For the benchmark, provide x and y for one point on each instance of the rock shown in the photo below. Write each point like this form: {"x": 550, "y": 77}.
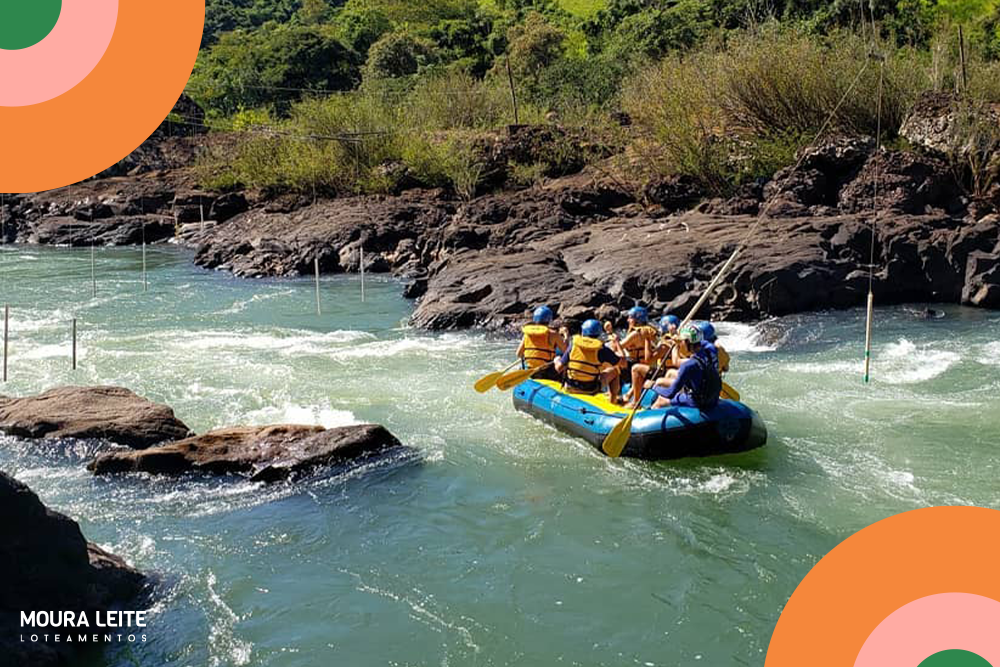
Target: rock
{"x": 982, "y": 280}
{"x": 192, "y": 206}
{"x": 228, "y": 206}
{"x": 113, "y": 231}
{"x": 938, "y": 125}
{"x": 107, "y": 413}
{"x": 906, "y": 182}
{"x": 266, "y": 453}
{"x": 673, "y": 193}
{"x": 47, "y": 564}
{"x": 818, "y": 179}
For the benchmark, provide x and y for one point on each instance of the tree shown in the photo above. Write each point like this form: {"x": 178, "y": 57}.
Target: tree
{"x": 272, "y": 67}
{"x": 399, "y": 54}
{"x": 532, "y": 46}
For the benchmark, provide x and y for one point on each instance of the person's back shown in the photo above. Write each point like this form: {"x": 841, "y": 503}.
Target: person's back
{"x": 540, "y": 345}
{"x": 697, "y": 384}
{"x": 588, "y": 361}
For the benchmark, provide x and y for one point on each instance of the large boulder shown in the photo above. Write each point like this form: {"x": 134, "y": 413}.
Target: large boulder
{"x": 982, "y": 280}
{"x": 47, "y": 564}
{"x": 106, "y": 413}
{"x": 265, "y": 453}
{"x": 107, "y": 231}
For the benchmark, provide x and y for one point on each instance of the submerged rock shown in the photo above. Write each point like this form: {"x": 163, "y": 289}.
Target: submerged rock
{"x": 47, "y": 564}
{"x": 108, "y": 413}
{"x": 265, "y": 453}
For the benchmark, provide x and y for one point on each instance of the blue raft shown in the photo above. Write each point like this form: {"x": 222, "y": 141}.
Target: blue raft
{"x": 668, "y": 433}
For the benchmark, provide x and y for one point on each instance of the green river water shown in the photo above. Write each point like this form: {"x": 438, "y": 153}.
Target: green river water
{"x": 491, "y": 539}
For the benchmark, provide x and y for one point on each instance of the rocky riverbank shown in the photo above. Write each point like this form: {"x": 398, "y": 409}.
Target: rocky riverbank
{"x": 48, "y": 565}
{"x": 585, "y": 243}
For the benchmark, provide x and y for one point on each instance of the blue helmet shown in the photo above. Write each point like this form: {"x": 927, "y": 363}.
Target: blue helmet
{"x": 668, "y": 321}
{"x": 639, "y": 314}
{"x": 707, "y": 331}
{"x": 592, "y": 329}
{"x": 542, "y": 315}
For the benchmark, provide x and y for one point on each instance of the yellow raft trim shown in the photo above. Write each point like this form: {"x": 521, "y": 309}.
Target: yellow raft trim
{"x": 599, "y": 401}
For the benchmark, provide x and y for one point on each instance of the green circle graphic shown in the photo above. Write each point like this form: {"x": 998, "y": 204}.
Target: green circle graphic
{"x": 955, "y": 658}
{"x": 24, "y": 23}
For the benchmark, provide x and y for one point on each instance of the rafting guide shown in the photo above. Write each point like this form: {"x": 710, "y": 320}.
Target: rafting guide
{"x": 65, "y": 626}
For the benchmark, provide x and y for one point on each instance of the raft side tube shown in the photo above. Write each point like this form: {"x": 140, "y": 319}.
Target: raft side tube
{"x": 663, "y": 434}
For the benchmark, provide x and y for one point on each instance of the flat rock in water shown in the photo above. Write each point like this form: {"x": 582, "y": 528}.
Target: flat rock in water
{"x": 266, "y": 453}
{"x": 108, "y": 413}
{"x": 48, "y": 565}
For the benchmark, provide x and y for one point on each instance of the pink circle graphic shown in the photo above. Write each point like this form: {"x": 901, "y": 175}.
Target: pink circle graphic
{"x": 63, "y": 59}
{"x": 935, "y": 623}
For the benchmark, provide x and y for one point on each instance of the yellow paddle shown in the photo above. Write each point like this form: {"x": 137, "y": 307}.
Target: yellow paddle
{"x": 730, "y": 393}
{"x": 517, "y": 377}
{"x": 487, "y": 382}
{"x": 614, "y": 442}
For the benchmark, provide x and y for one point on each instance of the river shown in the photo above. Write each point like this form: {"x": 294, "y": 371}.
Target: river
{"x": 491, "y": 539}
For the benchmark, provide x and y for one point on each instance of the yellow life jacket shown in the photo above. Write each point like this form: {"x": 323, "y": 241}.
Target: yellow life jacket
{"x": 636, "y": 348}
{"x": 584, "y": 360}
{"x": 538, "y": 349}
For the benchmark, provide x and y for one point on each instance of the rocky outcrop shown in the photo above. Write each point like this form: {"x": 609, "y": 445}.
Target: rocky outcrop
{"x": 47, "y": 564}
{"x": 107, "y": 413}
{"x": 982, "y": 280}
{"x": 267, "y": 453}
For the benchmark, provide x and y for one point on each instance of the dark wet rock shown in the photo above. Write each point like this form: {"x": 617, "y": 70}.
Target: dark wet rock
{"x": 263, "y": 243}
{"x": 673, "y": 193}
{"x": 266, "y": 453}
{"x": 192, "y": 206}
{"x": 107, "y": 413}
{"x": 906, "y": 182}
{"x": 47, "y": 564}
{"x": 109, "y": 231}
{"x": 817, "y": 181}
{"x": 228, "y": 206}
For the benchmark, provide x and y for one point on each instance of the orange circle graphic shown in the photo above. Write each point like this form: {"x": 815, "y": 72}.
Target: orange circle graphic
{"x": 113, "y": 109}
{"x": 878, "y": 570}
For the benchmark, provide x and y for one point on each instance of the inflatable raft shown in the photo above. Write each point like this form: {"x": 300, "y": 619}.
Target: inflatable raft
{"x": 668, "y": 433}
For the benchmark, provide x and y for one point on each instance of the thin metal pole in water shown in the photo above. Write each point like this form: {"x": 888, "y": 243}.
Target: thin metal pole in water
{"x": 145, "y": 282}
{"x": 361, "y": 262}
{"x": 868, "y": 338}
{"x": 93, "y": 270}
{"x": 74, "y": 343}
{"x": 201, "y": 213}
{"x": 319, "y": 310}
{"x": 6, "y": 330}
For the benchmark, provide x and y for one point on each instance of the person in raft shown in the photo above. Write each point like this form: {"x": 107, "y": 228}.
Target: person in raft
{"x": 589, "y": 363}
{"x": 712, "y": 346}
{"x": 541, "y": 343}
{"x": 668, "y": 329}
{"x": 637, "y": 347}
{"x": 697, "y": 383}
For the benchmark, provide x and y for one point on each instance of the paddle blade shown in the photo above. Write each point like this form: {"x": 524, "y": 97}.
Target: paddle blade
{"x": 730, "y": 393}
{"x": 517, "y": 377}
{"x": 487, "y": 382}
{"x": 615, "y": 441}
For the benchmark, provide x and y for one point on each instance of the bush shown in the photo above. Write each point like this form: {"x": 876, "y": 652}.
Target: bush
{"x": 399, "y": 54}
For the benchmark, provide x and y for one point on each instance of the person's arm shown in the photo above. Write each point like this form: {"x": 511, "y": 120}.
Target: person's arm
{"x": 520, "y": 350}
{"x": 679, "y": 382}
{"x": 724, "y": 359}
{"x": 563, "y": 361}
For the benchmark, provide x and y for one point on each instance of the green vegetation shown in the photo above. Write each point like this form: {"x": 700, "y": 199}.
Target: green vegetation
{"x": 373, "y": 95}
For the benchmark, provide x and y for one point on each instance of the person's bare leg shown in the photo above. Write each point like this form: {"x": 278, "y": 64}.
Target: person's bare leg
{"x": 639, "y": 373}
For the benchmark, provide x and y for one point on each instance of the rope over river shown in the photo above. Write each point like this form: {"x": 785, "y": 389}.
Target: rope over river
{"x": 491, "y": 539}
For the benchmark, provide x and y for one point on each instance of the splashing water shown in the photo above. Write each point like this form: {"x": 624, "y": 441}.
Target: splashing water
{"x": 491, "y": 539}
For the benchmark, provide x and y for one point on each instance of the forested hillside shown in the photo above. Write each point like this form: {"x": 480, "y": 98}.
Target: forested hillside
{"x": 374, "y": 95}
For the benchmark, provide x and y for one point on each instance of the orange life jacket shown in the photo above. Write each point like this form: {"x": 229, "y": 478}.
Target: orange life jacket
{"x": 538, "y": 348}
{"x": 584, "y": 362}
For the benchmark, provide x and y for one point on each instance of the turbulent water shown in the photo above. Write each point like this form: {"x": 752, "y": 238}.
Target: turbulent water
{"x": 491, "y": 539}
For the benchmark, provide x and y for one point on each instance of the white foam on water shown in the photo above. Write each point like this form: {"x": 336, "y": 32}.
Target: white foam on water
{"x": 989, "y": 354}
{"x": 52, "y": 351}
{"x": 260, "y": 297}
{"x": 422, "y": 345}
{"x": 297, "y": 414}
{"x": 903, "y": 362}
{"x": 298, "y": 343}
{"x": 738, "y": 337}
{"x": 226, "y": 648}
